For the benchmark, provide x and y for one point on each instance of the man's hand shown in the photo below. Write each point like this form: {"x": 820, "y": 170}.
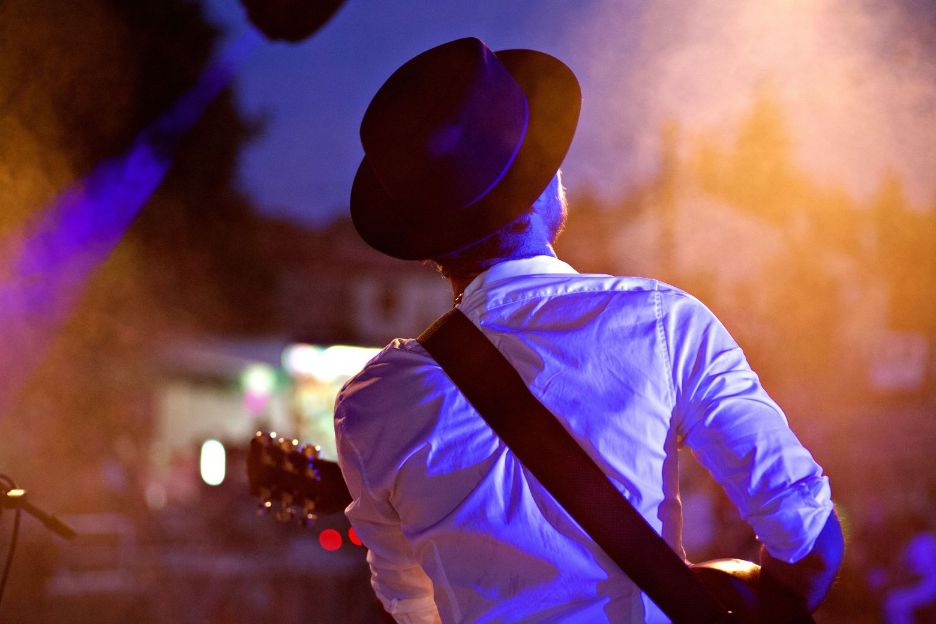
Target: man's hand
{"x": 811, "y": 577}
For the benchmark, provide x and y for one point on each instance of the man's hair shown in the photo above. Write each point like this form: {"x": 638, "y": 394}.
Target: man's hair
{"x": 516, "y": 239}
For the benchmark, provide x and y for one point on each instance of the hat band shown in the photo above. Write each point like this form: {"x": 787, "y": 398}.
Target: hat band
{"x": 510, "y": 160}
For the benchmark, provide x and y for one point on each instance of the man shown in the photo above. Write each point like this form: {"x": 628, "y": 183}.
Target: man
{"x": 462, "y": 151}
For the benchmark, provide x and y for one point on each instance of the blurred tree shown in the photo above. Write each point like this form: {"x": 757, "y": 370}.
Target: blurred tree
{"x": 758, "y": 174}
{"x": 586, "y": 242}
{"x": 796, "y": 338}
{"x": 78, "y": 81}
{"x": 907, "y": 256}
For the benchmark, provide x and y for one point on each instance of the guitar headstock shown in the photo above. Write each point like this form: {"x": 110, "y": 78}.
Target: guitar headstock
{"x": 293, "y": 479}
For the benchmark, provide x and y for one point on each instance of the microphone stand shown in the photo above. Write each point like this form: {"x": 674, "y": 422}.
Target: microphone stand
{"x": 12, "y": 497}
{"x": 17, "y": 498}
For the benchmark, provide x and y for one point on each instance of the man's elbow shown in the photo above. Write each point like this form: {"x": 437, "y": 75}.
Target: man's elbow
{"x": 811, "y": 577}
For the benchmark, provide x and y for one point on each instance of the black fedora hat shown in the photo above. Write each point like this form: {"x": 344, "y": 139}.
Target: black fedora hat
{"x": 458, "y": 142}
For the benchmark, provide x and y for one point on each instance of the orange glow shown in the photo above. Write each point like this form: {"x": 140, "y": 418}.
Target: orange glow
{"x": 854, "y": 82}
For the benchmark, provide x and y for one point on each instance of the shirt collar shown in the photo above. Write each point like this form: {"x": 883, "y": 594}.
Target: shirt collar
{"x": 537, "y": 265}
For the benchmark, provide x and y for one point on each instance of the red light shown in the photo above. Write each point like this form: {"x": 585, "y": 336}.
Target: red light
{"x": 330, "y": 539}
{"x": 354, "y": 538}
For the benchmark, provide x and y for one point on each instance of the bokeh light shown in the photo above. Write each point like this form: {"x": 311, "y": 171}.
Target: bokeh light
{"x": 212, "y": 462}
{"x": 330, "y": 539}
{"x": 326, "y": 364}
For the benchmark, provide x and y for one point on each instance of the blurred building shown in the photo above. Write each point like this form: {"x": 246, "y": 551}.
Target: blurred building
{"x": 332, "y": 287}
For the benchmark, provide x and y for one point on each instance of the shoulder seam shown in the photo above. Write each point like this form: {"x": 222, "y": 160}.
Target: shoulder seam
{"x": 581, "y": 291}
{"x": 340, "y": 432}
{"x": 664, "y": 344}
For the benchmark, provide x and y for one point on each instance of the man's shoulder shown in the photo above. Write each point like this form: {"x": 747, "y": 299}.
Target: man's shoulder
{"x": 630, "y": 285}
{"x": 399, "y": 356}
{"x": 671, "y": 304}
{"x": 621, "y": 293}
{"x": 391, "y": 376}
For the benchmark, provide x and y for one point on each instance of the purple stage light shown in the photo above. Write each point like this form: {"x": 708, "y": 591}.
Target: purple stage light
{"x": 44, "y": 266}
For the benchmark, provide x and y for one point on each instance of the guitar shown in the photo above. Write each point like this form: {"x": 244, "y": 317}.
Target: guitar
{"x": 293, "y": 477}
{"x": 739, "y": 587}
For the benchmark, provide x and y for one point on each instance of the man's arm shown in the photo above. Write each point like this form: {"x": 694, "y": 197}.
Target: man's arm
{"x": 742, "y": 437}
{"x": 811, "y": 577}
{"x": 399, "y": 581}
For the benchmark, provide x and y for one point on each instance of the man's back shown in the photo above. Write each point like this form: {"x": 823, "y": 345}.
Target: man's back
{"x": 630, "y": 366}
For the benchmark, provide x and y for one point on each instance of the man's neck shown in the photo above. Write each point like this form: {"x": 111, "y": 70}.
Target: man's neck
{"x": 460, "y": 282}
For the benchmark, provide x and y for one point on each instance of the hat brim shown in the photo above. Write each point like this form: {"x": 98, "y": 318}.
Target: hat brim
{"x": 554, "y": 99}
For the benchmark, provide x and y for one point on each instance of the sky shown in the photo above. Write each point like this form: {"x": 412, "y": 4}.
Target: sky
{"x": 855, "y": 78}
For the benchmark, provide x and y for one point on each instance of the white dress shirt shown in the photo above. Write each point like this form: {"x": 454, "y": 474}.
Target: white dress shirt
{"x": 458, "y": 530}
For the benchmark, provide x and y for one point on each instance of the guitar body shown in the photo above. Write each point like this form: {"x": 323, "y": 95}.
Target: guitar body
{"x": 737, "y": 585}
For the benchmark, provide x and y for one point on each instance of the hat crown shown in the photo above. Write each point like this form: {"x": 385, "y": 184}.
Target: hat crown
{"x": 458, "y": 142}
{"x": 446, "y": 126}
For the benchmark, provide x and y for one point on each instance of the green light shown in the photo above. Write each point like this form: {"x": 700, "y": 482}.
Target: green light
{"x": 259, "y": 379}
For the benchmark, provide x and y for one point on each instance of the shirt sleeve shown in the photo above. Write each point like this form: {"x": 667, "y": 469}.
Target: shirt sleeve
{"x": 741, "y": 435}
{"x": 398, "y": 579}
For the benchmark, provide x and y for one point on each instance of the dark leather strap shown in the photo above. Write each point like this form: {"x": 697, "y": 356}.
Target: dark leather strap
{"x": 560, "y": 464}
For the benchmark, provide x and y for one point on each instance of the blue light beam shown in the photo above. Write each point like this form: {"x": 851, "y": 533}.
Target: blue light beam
{"x": 44, "y": 265}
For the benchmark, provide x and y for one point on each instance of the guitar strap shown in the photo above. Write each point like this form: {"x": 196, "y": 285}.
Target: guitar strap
{"x": 559, "y": 463}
